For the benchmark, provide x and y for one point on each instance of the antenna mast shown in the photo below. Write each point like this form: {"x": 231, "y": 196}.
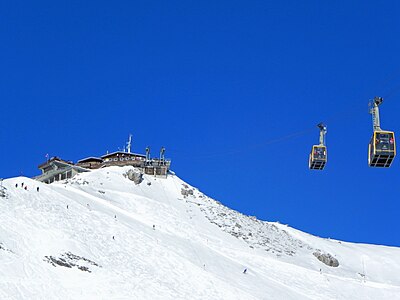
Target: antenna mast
{"x": 129, "y": 143}
{"x": 374, "y": 111}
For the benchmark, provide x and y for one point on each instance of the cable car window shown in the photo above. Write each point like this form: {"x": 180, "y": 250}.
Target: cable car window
{"x": 319, "y": 152}
{"x": 384, "y": 141}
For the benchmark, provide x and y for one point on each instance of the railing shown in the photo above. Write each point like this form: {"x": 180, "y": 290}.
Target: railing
{"x": 51, "y": 173}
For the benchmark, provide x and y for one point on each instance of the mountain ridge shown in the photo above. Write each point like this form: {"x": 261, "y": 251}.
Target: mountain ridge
{"x": 164, "y": 239}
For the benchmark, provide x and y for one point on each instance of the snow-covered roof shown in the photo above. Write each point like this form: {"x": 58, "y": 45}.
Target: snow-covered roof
{"x": 120, "y": 153}
{"x": 56, "y": 160}
{"x": 90, "y": 158}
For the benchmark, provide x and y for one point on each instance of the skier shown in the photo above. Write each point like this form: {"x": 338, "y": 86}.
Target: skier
{"x": 154, "y": 227}
{"x": 26, "y": 188}
{"x": 16, "y": 185}
{"x": 22, "y": 184}
{"x": 245, "y": 271}
{"x": 37, "y": 189}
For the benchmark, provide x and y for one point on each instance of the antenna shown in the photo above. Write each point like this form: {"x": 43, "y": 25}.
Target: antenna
{"x": 147, "y": 153}
{"x": 129, "y": 143}
{"x": 374, "y": 111}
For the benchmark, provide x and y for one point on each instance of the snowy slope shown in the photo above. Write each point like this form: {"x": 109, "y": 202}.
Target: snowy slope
{"x": 92, "y": 237}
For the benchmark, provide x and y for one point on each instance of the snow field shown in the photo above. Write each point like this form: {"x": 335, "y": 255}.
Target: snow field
{"x": 109, "y": 221}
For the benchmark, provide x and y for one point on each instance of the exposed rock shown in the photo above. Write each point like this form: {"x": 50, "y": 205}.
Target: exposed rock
{"x": 69, "y": 260}
{"x": 77, "y": 180}
{"x": 327, "y": 259}
{"x": 134, "y": 175}
{"x": 256, "y": 233}
{"x": 3, "y": 192}
{"x": 186, "y": 192}
{"x": 2, "y": 247}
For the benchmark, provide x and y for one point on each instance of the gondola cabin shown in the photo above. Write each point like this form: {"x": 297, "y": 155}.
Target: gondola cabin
{"x": 382, "y": 149}
{"x": 318, "y": 157}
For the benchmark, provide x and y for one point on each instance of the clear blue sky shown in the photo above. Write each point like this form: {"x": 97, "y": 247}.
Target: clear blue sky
{"x": 232, "y": 89}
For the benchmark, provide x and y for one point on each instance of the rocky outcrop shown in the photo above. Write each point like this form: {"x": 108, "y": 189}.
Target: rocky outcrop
{"x": 3, "y": 192}
{"x": 186, "y": 191}
{"x": 69, "y": 260}
{"x": 134, "y": 175}
{"x": 2, "y": 247}
{"x": 256, "y": 233}
{"x": 326, "y": 258}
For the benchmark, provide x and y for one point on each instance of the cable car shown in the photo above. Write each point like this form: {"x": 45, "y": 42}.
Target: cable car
{"x": 382, "y": 146}
{"x": 382, "y": 149}
{"x": 318, "y": 155}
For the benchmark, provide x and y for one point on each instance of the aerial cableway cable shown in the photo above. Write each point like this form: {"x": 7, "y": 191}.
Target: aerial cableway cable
{"x": 344, "y": 114}
{"x": 395, "y": 75}
{"x": 253, "y": 146}
{"x": 392, "y": 92}
{"x": 382, "y": 85}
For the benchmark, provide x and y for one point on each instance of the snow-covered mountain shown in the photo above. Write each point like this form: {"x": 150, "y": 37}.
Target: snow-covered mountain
{"x": 112, "y": 234}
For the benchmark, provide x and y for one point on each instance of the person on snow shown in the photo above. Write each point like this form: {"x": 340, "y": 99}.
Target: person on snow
{"x": 245, "y": 271}
{"x": 37, "y": 189}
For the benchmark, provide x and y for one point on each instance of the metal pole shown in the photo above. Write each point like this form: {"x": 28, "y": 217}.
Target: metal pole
{"x": 322, "y": 133}
{"x": 374, "y": 111}
{"x": 147, "y": 154}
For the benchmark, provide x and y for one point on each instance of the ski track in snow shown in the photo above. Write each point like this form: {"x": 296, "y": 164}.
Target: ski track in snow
{"x": 198, "y": 249}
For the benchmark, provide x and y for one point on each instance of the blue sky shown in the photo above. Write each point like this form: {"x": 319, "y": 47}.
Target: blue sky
{"x": 232, "y": 89}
